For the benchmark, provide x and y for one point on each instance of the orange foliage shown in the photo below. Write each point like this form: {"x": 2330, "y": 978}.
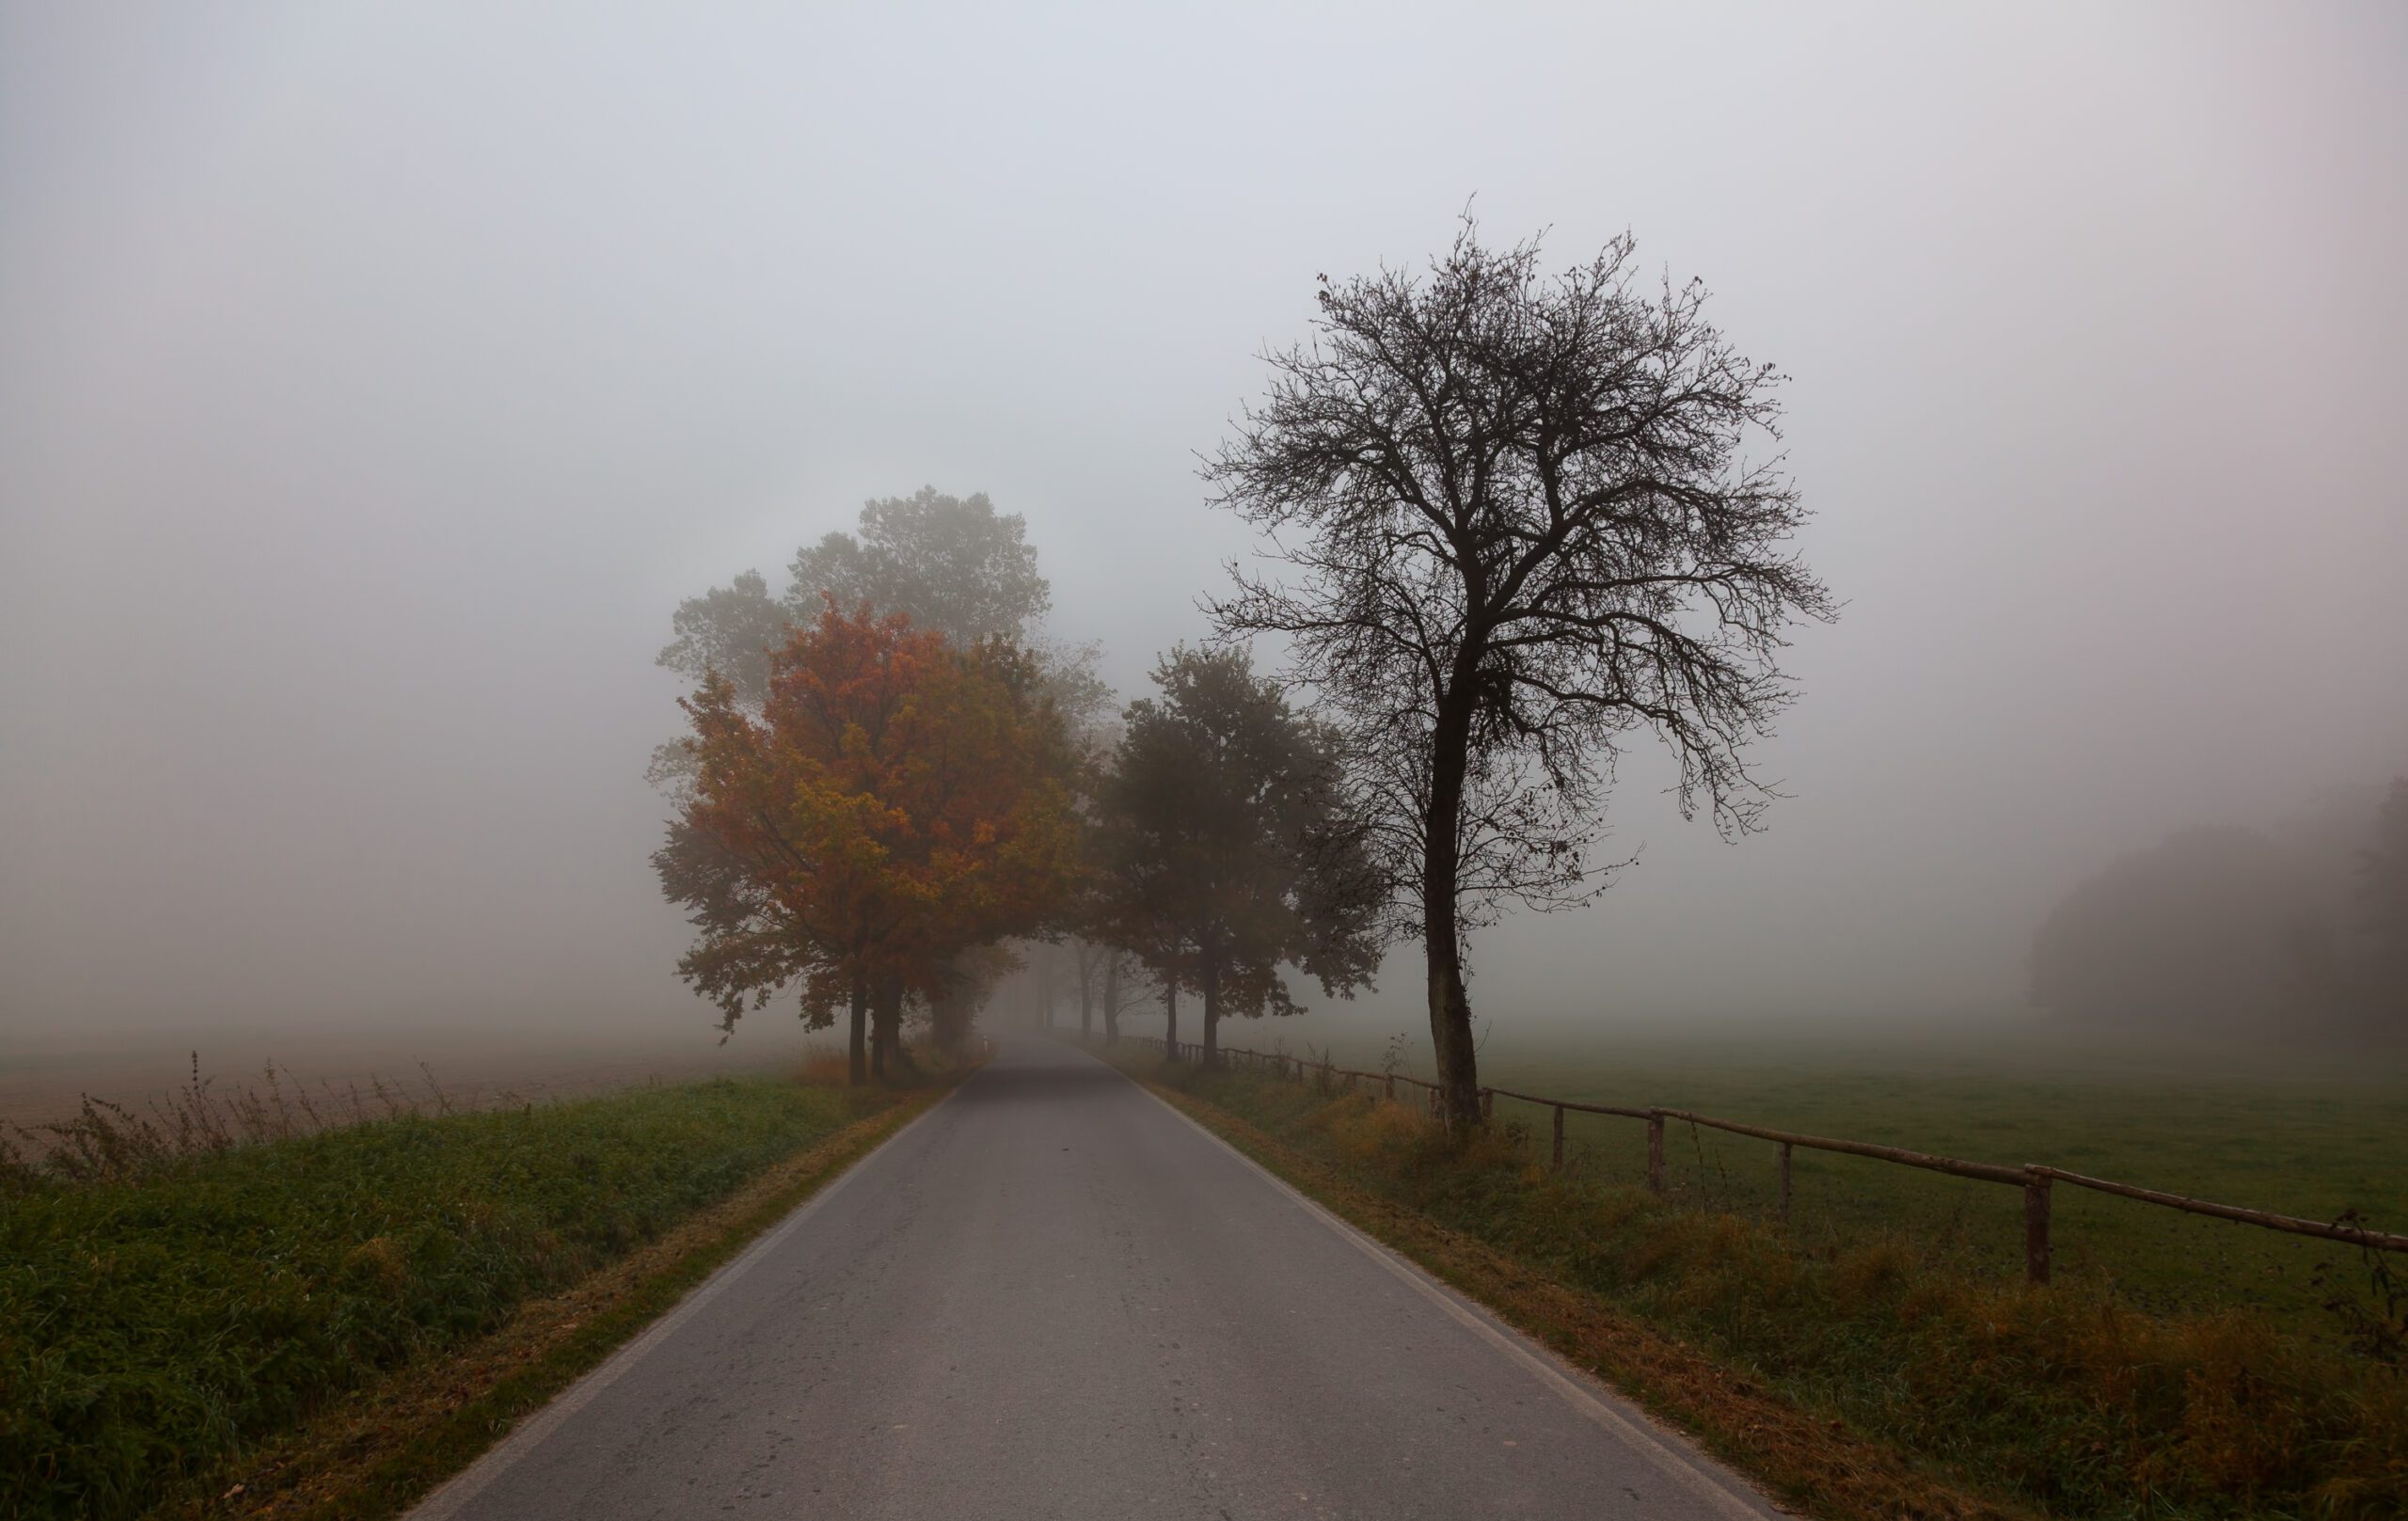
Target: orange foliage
{"x": 896, "y": 800}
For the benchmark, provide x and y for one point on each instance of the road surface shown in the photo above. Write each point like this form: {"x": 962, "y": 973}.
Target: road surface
{"x": 1053, "y": 1296}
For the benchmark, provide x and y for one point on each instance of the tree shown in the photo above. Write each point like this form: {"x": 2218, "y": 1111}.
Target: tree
{"x": 1523, "y": 530}
{"x": 1123, "y": 992}
{"x": 893, "y": 803}
{"x": 1087, "y": 961}
{"x": 1223, "y": 814}
{"x": 2215, "y": 928}
{"x": 968, "y": 981}
{"x": 952, "y": 564}
{"x": 2383, "y": 893}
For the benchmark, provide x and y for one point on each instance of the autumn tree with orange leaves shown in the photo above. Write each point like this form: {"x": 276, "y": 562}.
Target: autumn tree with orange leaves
{"x": 894, "y": 801}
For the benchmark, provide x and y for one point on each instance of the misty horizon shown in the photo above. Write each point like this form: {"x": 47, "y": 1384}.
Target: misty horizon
{"x": 354, "y": 453}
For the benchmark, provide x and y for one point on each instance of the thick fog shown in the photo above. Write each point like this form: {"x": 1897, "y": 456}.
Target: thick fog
{"x": 375, "y": 381}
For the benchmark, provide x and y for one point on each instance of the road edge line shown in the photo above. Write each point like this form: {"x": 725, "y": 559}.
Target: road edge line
{"x": 1693, "y": 1471}
{"x": 447, "y": 1499}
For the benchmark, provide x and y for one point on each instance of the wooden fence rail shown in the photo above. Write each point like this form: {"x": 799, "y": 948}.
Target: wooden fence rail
{"x": 2032, "y": 1177}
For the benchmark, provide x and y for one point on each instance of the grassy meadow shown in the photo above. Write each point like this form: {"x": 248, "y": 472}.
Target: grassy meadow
{"x": 168, "y": 1307}
{"x": 2303, "y": 1134}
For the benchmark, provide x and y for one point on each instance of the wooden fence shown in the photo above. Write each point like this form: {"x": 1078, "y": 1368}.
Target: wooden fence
{"x": 2034, "y": 1180}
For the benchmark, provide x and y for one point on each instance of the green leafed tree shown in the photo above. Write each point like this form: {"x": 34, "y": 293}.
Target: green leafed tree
{"x": 1230, "y": 856}
{"x": 950, "y": 563}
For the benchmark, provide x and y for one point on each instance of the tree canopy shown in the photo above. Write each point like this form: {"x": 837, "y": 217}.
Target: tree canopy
{"x": 1225, "y": 846}
{"x": 894, "y": 801}
{"x": 953, "y": 564}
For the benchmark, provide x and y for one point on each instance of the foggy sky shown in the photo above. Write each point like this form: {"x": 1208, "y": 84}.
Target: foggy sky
{"x": 374, "y": 380}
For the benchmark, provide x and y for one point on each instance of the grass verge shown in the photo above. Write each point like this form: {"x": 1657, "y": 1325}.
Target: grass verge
{"x": 1878, "y": 1377}
{"x": 327, "y": 1326}
{"x": 2298, "y": 1138}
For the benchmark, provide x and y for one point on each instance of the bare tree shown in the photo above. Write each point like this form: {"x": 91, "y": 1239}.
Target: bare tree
{"x": 1124, "y": 991}
{"x": 1088, "y": 961}
{"x": 1521, "y": 527}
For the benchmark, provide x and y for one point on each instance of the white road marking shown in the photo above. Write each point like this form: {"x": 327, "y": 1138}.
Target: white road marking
{"x": 446, "y": 1501}
{"x": 1679, "y": 1467}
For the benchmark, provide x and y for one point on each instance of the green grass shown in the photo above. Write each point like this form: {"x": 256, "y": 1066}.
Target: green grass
{"x": 152, "y": 1327}
{"x": 1897, "y": 1312}
{"x": 2307, "y": 1137}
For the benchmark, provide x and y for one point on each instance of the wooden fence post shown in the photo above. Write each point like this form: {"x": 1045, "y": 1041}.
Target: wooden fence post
{"x": 1784, "y": 1182}
{"x": 1391, "y": 1084}
{"x": 1487, "y": 1103}
{"x": 1655, "y": 1150}
{"x": 2036, "y": 1227}
{"x": 1558, "y": 1138}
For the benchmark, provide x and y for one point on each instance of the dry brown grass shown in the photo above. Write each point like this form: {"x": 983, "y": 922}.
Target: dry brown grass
{"x": 824, "y": 1067}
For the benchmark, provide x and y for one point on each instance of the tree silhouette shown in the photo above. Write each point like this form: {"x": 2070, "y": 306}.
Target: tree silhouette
{"x": 2382, "y": 892}
{"x": 1223, "y": 821}
{"x": 1521, "y": 529}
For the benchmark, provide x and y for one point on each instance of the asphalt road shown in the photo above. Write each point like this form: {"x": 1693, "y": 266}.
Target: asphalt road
{"x": 1053, "y": 1296}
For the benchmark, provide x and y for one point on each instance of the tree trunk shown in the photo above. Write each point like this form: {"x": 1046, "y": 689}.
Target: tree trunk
{"x": 1211, "y": 1014}
{"x": 886, "y": 1025}
{"x": 858, "y": 1066}
{"x": 1111, "y": 1001}
{"x": 1170, "y": 1020}
{"x": 1442, "y": 930}
{"x": 1086, "y": 991}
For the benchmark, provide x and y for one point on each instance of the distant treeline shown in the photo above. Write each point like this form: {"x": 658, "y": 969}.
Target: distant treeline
{"x": 1519, "y": 524}
{"x": 2227, "y": 930}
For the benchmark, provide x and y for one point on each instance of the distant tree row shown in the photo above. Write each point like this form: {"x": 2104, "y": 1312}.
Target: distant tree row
{"x": 2242, "y": 931}
{"x": 880, "y": 800}
{"x": 1521, "y": 527}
